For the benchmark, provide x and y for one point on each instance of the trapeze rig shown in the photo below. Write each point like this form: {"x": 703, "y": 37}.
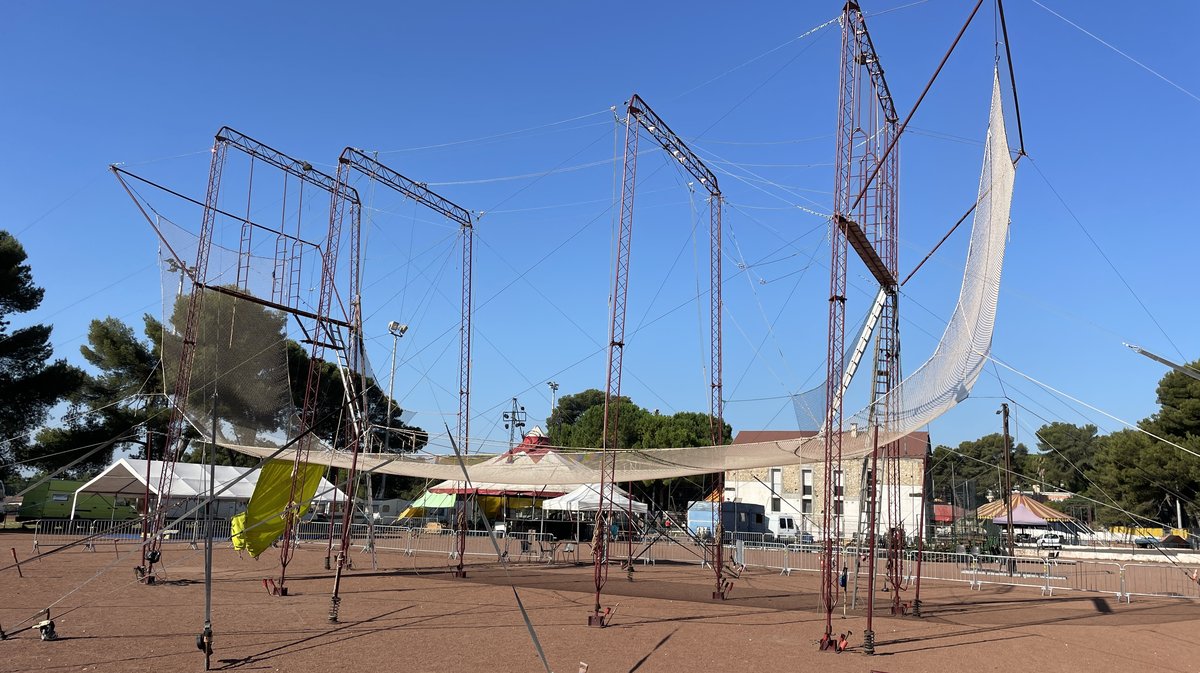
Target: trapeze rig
{"x": 638, "y": 117}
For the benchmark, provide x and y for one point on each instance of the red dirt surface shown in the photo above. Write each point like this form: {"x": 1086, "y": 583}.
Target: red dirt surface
{"x": 412, "y": 615}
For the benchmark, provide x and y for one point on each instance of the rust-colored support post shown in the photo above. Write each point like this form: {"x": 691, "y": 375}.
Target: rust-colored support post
{"x": 923, "y": 529}
{"x": 869, "y": 632}
{"x": 716, "y": 401}
{"x": 464, "y": 376}
{"x": 178, "y": 424}
{"x": 835, "y": 360}
{"x": 612, "y": 390}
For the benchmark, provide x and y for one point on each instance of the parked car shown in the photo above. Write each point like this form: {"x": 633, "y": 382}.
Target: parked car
{"x": 1050, "y": 541}
{"x": 1146, "y": 542}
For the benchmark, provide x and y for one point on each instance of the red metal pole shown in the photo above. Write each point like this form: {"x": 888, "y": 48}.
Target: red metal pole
{"x": 922, "y": 528}
{"x": 869, "y": 632}
{"x": 616, "y": 349}
{"x": 835, "y": 360}
{"x": 716, "y": 402}
{"x": 464, "y": 380}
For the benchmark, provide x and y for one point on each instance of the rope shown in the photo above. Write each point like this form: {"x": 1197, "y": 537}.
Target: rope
{"x": 1143, "y": 66}
{"x": 497, "y": 135}
{"x": 1106, "y": 258}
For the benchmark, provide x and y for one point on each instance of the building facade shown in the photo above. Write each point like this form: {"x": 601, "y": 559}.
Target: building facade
{"x": 797, "y": 491}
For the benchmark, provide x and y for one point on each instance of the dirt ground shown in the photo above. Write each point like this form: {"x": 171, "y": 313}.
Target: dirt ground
{"x": 411, "y": 614}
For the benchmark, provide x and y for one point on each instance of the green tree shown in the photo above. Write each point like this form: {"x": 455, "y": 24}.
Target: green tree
{"x": 403, "y": 438}
{"x": 240, "y": 355}
{"x": 1067, "y": 453}
{"x": 976, "y": 466}
{"x": 571, "y": 407}
{"x": 1144, "y": 477}
{"x": 30, "y": 383}
{"x": 1179, "y": 404}
{"x": 578, "y": 421}
{"x": 120, "y": 407}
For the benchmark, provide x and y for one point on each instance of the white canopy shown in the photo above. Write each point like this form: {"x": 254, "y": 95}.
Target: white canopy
{"x": 127, "y": 477}
{"x": 586, "y": 498}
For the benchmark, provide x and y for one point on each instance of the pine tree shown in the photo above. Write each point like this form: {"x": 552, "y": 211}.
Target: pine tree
{"x": 30, "y": 383}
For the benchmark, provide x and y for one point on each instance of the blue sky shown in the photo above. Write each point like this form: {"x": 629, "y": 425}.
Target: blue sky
{"x": 505, "y": 109}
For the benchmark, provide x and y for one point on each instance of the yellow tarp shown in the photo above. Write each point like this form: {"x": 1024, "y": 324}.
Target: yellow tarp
{"x": 236, "y": 525}
{"x": 1147, "y": 532}
{"x": 263, "y": 521}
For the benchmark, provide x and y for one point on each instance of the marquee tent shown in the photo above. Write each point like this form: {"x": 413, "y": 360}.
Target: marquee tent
{"x": 1029, "y": 509}
{"x": 586, "y": 498}
{"x": 127, "y": 477}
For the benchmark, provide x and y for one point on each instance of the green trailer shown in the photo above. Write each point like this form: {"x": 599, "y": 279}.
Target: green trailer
{"x": 53, "y": 500}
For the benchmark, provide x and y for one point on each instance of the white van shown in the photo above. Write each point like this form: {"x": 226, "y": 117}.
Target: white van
{"x": 785, "y": 527}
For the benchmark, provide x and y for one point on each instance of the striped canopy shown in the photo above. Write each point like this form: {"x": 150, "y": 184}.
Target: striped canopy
{"x": 996, "y": 509}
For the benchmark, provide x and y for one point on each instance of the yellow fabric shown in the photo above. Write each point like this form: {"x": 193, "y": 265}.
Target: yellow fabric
{"x": 263, "y": 521}
{"x": 236, "y": 525}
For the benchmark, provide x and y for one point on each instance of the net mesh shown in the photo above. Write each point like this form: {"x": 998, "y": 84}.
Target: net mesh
{"x": 240, "y": 356}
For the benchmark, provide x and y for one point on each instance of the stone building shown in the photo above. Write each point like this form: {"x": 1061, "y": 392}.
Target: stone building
{"x": 797, "y": 491}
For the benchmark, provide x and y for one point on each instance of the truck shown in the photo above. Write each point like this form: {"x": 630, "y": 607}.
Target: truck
{"x": 736, "y": 517}
{"x": 52, "y": 500}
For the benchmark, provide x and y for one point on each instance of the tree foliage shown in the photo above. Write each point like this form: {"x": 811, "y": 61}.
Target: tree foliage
{"x": 1067, "y": 454}
{"x": 1179, "y": 404}
{"x": 1132, "y": 477}
{"x": 1144, "y": 477}
{"x": 120, "y": 407}
{"x": 30, "y": 383}
{"x": 578, "y": 421}
{"x": 975, "y": 468}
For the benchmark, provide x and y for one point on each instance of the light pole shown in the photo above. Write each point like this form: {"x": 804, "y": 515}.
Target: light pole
{"x": 553, "y": 399}
{"x": 1008, "y": 489}
{"x": 397, "y": 330}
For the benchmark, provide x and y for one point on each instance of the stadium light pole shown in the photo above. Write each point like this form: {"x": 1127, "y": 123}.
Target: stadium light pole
{"x": 553, "y": 399}
{"x": 397, "y": 330}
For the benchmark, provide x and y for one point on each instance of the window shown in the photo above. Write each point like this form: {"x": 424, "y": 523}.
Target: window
{"x": 758, "y": 518}
{"x": 776, "y": 504}
{"x": 786, "y": 523}
{"x": 806, "y": 507}
{"x": 776, "y": 487}
{"x": 837, "y": 507}
{"x": 837, "y": 483}
{"x": 807, "y": 476}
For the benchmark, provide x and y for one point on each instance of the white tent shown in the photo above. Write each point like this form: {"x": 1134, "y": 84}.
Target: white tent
{"x": 586, "y": 498}
{"x": 127, "y": 477}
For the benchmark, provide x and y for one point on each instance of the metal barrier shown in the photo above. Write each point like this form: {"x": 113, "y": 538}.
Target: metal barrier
{"x": 1160, "y": 580}
{"x": 1050, "y": 574}
{"x": 1095, "y": 576}
{"x": 941, "y": 566}
{"x": 62, "y": 532}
